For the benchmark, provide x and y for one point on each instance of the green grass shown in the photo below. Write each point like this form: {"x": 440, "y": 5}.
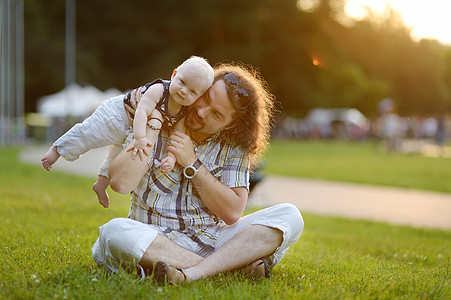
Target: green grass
{"x": 360, "y": 162}
{"x": 50, "y": 220}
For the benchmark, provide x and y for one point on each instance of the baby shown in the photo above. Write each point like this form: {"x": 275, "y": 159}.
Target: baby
{"x": 163, "y": 102}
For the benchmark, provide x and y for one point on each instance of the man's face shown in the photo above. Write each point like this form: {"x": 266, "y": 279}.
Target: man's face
{"x": 211, "y": 113}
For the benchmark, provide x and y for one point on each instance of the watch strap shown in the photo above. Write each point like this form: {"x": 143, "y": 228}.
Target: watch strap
{"x": 197, "y": 164}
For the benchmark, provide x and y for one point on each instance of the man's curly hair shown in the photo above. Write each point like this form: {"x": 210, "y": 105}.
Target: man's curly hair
{"x": 254, "y": 116}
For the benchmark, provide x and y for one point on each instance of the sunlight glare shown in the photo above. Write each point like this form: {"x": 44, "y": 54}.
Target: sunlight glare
{"x": 308, "y": 5}
{"x": 358, "y": 9}
{"x": 425, "y": 18}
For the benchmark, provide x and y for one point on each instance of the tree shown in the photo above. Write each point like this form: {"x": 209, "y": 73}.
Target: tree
{"x": 309, "y": 59}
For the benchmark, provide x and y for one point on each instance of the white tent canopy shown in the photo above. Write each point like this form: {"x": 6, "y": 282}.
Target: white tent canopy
{"x": 74, "y": 101}
{"x": 322, "y": 116}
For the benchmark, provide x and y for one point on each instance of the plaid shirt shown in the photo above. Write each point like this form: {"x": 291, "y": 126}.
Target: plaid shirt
{"x": 170, "y": 200}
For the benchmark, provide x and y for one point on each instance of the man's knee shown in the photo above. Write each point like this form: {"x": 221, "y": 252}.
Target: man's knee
{"x": 112, "y": 228}
{"x": 292, "y": 217}
{"x": 126, "y": 239}
{"x": 110, "y": 234}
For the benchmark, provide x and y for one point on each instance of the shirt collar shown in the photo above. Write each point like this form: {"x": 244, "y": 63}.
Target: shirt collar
{"x": 210, "y": 139}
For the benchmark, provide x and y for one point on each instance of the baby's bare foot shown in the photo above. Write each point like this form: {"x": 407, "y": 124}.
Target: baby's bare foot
{"x": 102, "y": 194}
{"x": 50, "y": 157}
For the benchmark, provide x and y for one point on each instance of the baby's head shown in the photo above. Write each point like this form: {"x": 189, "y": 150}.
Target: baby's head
{"x": 191, "y": 80}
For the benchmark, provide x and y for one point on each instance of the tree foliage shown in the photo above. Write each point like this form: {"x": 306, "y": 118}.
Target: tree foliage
{"x": 309, "y": 59}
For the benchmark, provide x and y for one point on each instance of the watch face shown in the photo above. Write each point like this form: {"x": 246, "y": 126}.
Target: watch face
{"x": 190, "y": 172}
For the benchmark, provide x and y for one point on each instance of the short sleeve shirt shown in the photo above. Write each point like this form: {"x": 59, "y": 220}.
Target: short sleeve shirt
{"x": 172, "y": 202}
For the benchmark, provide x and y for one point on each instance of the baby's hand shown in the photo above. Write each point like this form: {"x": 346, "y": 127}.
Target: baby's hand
{"x": 167, "y": 164}
{"x": 139, "y": 146}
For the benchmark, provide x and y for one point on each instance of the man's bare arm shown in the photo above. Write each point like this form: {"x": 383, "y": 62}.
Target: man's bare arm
{"x": 225, "y": 202}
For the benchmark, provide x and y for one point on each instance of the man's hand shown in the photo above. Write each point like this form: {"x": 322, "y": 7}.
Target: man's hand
{"x": 139, "y": 146}
{"x": 181, "y": 145}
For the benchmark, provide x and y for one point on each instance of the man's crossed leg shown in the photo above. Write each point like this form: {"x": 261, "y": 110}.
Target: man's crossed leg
{"x": 264, "y": 234}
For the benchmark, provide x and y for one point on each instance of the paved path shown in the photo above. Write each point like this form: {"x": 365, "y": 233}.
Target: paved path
{"x": 393, "y": 205}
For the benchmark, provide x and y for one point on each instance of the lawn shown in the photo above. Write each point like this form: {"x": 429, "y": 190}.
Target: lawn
{"x": 50, "y": 220}
{"x": 360, "y": 162}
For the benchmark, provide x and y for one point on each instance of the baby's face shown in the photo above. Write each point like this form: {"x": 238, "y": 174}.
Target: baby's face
{"x": 188, "y": 85}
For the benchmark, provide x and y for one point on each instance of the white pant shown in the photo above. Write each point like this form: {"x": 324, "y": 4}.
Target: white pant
{"x": 122, "y": 241}
{"x": 108, "y": 125}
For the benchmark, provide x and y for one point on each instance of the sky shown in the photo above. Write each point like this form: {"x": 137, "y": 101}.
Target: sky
{"x": 425, "y": 18}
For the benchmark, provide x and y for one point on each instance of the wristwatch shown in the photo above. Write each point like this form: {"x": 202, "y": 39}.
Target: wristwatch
{"x": 191, "y": 170}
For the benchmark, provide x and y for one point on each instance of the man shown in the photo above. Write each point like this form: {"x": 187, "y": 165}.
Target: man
{"x": 187, "y": 224}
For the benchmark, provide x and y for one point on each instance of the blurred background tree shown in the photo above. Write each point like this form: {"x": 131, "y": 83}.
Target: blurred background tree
{"x": 310, "y": 59}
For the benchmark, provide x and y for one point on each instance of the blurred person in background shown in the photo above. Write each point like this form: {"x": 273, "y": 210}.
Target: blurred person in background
{"x": 391, "y": 128}
{"x": 440, "y": 136}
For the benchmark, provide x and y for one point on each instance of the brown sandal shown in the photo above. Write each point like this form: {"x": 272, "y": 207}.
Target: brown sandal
{"x": 258, "y": 269}
{"x": 164, "y": 272}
